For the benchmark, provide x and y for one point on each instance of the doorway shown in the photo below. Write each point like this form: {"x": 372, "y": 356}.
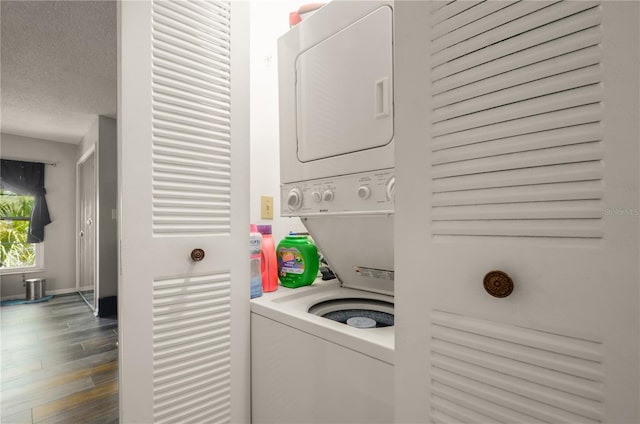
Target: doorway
{"x": 86, "y": 229}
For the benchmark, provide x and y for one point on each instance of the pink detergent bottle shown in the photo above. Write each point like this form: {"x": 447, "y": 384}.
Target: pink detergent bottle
{"x": 269, "y": 263}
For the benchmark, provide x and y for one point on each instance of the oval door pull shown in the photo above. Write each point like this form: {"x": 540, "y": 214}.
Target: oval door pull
{"x": 498, "y": 284}
{"x": 197, "y": 255}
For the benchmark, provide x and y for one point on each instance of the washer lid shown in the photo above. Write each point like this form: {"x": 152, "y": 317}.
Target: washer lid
{"x": 344, "y": 90}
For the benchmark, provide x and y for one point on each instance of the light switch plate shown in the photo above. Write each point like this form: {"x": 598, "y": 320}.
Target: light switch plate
{"x": 267, "y": 207}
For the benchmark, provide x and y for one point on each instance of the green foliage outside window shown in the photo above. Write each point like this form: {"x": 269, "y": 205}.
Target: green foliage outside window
{"x": 15, "y": 211}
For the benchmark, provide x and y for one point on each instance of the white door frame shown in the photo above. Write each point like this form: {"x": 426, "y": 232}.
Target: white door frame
{"x": 91, "y": 152}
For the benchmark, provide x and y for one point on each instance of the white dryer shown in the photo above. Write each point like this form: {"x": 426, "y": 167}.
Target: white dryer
{"x": 336, "y": 92}
{"x": 337, "y": 137}
{"x": 337, "y": 175}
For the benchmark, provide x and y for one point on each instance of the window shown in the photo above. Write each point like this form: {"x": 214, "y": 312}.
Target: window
{"x": 15, "y": 253}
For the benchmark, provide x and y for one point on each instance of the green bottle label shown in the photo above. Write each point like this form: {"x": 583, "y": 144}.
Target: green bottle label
{"x": 291, "y": 261}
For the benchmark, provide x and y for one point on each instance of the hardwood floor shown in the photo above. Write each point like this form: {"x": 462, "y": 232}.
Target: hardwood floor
{"x": 59, "y": 363}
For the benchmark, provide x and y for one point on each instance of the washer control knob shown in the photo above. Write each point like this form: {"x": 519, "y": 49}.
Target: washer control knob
{"x": 364, "y": 192}
{"x": 294, "y": 199}
{"x": 391, "y": 188}
{"x": 327, "y": 196}
{"x": 317, "y": 197}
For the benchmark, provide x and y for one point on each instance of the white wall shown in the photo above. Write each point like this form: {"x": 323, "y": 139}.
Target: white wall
{"x": 59, "y": 236}
{"x": 89, "y": 140}
{"x": 269, "y": 20}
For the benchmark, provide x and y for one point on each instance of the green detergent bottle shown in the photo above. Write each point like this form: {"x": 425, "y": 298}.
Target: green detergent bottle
{"x": 297, "y": 261}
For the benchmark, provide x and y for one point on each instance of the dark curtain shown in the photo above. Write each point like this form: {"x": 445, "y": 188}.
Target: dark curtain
{"x": 27, "y": 178}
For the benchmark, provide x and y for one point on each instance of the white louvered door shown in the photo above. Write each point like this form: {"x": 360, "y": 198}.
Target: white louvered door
{"x": 529, "y": 161}
{"x": 183, "y": 144}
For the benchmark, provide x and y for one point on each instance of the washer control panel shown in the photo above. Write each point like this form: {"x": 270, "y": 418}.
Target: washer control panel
{"x": 364, "y": 192}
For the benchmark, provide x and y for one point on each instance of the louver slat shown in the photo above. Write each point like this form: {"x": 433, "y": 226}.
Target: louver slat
{"x": 555, "y": 66}
{"x": 526, "y": 165}
{"x": 534, "y": 106}
{"x": 554, "y": 49}
{"x": 191, "y": 347}
{"x": 582, "y": 171}
{"x": 543, "y": 34}
{"x": 483, "y": 371}
{"x": 191, "y": 125}
{"x": 464, "y": 19}
{"x": 572, "y": 119}
{"x": 534, "y": 140}
{"x": 453, "y": 9}
{"x": 519, "y": 20}
{"x": 516, "y": 136}
{"x": 557, "y": 83}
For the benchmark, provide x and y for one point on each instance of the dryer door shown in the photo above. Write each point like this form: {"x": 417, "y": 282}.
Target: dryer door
{"x": 344, "y": 90}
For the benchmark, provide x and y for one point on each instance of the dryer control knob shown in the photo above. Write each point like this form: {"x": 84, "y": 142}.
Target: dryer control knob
{"x": 327, "y": 196}
{"x": 391, "y": 188}
{"x": 364, "y": 192}
{"x": 294, "y": 199}
{"x": 317, "y": 197}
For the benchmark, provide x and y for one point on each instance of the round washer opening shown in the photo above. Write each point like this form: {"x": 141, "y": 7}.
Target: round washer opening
{"x": 345, "y": 310}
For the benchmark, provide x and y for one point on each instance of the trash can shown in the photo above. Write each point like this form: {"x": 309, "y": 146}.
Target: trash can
{"x": 35, "y": 288}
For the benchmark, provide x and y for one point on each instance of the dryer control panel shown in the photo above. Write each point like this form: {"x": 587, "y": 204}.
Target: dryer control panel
{"x": 356, "y": 193}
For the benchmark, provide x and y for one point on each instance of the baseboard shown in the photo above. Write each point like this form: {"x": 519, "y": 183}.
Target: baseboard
{"x": 53, "y": 292}
{"x": 107, "y": 306}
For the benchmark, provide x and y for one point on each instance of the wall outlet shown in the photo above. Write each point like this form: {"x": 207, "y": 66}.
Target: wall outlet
{"x": 267, "y": 207}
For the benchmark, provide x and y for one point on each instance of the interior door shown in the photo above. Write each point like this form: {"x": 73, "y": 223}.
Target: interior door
{"x": 528, "y": 155}
{"x": 183, "y": 146}
{"x": 86, "y": 233}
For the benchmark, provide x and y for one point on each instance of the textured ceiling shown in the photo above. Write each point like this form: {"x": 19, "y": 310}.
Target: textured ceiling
{"x": 58, "y": 67}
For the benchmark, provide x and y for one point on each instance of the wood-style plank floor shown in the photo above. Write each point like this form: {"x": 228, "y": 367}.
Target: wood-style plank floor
{"x": 59, "y": 363}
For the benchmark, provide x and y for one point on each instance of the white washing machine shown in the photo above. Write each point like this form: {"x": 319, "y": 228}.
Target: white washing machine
{"x": 311, "y": 360}
{"x": 310, "y": 369}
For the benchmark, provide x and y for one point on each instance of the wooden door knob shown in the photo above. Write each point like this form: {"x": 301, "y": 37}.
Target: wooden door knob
{"x": 197, "y": 255}
{"x": 498, "y": 284}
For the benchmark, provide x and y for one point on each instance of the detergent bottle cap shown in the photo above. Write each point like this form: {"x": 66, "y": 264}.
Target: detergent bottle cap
{"x": 264, "y": 229}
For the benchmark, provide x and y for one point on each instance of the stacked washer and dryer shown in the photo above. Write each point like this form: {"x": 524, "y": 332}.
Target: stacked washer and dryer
{"x": 337, "y": 175}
